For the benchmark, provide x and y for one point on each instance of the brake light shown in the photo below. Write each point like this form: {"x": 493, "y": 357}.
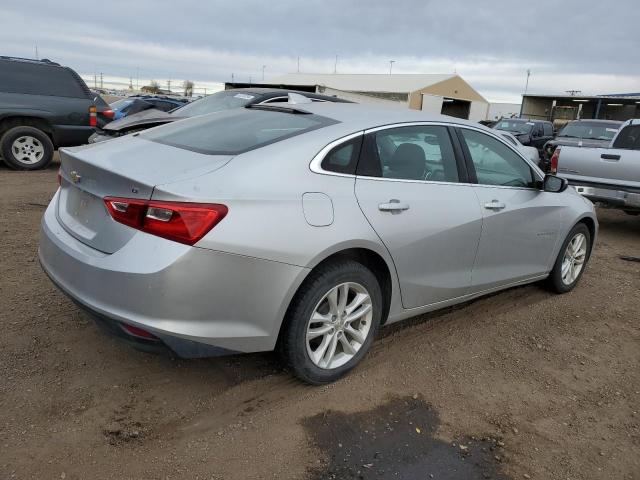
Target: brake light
{"x": 93, "y": 116}
{"x": 108, "y": 113}
{"x": 138, "y": 332}
{"x": 554, "y": 160}
{"x": 178, "y": 221}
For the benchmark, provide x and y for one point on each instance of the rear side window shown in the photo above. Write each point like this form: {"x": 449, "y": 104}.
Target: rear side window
{"x": 628, "y": 138}
{"x": 344, "y": 157}
{"x": 422, "y": 152}
{"x": 33, "y": 79}
{"x": 547, "y": 129}
{"x": 235, "y": 131}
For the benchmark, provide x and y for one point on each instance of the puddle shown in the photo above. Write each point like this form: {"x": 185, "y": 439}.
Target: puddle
{"x": 396, "y": 441}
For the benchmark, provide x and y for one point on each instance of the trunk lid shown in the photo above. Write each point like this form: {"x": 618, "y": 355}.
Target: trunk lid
{"x": 128, "y": 167}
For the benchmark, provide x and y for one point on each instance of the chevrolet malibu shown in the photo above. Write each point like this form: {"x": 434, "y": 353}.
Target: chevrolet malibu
{"x": 303, "y": 227}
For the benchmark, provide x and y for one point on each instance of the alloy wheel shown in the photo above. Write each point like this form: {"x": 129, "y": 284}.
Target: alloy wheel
{"x": 574, "y": 258}
{"x": 339, "y": 325}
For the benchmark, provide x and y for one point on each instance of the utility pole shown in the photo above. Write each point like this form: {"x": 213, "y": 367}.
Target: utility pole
{"x": 263, "y": 67}
{"x": 169, "y": 85}
{"x": 232, "y": 78}
{"x": 391, "y": 62}
{"x": 335, "y": 65}
{"x": 95, "y": 81}
{"x": 37, "y": 57}
{"x": 101, "y": 81}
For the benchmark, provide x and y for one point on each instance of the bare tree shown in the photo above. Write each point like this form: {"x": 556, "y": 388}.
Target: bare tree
{"x": 154, "y": 87}
{"x": 188, "y": 88}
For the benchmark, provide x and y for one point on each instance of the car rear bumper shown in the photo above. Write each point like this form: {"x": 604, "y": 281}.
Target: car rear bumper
{"x": 610, "y": 196}
{"x": 198, "y": 302}
{"x": 71, "y": 135}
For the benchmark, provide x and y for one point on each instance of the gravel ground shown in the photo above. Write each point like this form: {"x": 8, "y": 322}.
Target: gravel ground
{"x": 535, "y": 385}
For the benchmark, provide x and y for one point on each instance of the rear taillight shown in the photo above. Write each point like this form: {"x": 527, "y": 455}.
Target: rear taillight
{"x": 178, "y": 221}
{"x": 108, "y": 113}
{"x": 138, "y": 332}
{"x": 554, "y": 160}
{"x": 93, "y": 116}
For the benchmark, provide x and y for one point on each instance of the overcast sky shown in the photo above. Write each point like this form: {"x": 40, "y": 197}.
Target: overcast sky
{"x": 586, "y": 45}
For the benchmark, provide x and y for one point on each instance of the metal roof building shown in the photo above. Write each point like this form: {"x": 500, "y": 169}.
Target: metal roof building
{"x": 448, "y": 94}
{"x": 561, "y": 108}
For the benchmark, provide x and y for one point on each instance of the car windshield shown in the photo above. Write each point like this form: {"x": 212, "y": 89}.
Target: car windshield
{"x": 217, "y": 102}
{"x": 514, "y": 126}
{"x": 591, "y": 131}
{"x": 235, "y": 131}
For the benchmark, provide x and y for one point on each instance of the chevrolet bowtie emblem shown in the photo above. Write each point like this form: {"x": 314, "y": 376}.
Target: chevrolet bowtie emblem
{"x": 75, "y": 176}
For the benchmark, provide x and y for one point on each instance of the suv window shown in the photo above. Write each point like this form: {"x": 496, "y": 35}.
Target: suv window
{"x": 495, "y": 163}
{"x": 34, "y": 79}
{"x": 420, "y": 152}
{"x": 344, "y": 157}
{"x": 547, "y": 129}
{"x": 235, "y": 131}
{"x": 628, "y": 138}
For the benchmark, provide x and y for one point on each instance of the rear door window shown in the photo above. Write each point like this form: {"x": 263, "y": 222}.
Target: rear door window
{"x": 422, "y": 152}
{"x": 35, "y": 79}
{"x": 344, "y": 157}
{"x": 235, "y": 131}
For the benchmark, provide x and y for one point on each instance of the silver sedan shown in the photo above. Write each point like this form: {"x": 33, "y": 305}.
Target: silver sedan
{"x": 303, "y": 227}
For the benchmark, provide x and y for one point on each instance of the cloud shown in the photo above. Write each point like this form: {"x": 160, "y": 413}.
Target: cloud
{"x": 584, "y": 45}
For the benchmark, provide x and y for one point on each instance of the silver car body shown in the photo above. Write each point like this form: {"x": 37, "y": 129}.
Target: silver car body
{"x": 232, "y": 289}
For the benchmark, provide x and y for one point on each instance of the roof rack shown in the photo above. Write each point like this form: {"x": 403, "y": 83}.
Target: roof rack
{"x": 30, "y": 60}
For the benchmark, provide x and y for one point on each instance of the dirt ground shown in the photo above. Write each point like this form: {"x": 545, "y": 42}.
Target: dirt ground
{"x": 532, "y": 385}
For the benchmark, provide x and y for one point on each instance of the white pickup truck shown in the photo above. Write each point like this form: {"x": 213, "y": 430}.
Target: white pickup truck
{"x": 607, "y": 176}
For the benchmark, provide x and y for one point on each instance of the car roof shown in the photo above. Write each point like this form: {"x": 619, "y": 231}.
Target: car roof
{"x": 355, "y": 116}
{"x": 283, "y": 92}
{"x": 597, "y": 120}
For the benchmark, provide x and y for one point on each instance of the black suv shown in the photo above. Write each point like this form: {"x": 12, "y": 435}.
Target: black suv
{"x": 43, "y": 106}
{"x": 533, "y": 133}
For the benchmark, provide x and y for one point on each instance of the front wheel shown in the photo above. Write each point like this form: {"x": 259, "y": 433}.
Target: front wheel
{"x": 571, "y": 260}
{"x": 332, "y": 322}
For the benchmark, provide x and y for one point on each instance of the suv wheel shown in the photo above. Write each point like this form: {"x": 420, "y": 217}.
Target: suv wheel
{"x": 26, "y": 148}
{"x": 332, "y": 322}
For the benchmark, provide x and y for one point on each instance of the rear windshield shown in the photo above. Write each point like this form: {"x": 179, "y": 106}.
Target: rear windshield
{"x": 628, "y": 138}
{"x": 235, "y": 131}
{"x": 34, "y": 79}
{"x": 215, "y": 103}
{"x": 591, "y": 131}
{"x": 514, "y": 126}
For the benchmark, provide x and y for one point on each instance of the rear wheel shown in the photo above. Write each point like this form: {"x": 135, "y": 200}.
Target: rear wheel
{"x": 332, "y": 322}
{"x": 26, "y": 148}
{"x": 571, "y": 260}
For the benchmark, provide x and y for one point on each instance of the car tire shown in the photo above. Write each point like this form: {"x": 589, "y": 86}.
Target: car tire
{"x": 26, "y": 148}
{"x": 568, "y": 270}
{"x": 320, "y": 305}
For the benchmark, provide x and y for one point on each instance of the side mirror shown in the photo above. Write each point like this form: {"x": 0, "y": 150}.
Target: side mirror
{"x": 554, "y": 184}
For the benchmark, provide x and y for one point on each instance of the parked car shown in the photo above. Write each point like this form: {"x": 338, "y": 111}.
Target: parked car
{"x": 43, "y": 106}
{"x": 303, "y": 227}
{"x": 533, "y": 133}
{"x": 216, "y": 102}
{"x": 530, "y": 152}
{"x": 608, "y": 176}
{"x": 583, "y": 133}
{"x": 138, "y": 103}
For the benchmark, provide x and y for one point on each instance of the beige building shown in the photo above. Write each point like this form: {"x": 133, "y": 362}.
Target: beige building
{"x": 448, "y": 94}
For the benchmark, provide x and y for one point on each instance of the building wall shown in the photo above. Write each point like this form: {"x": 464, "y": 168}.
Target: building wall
{"x": 455, "y": 88}
{"x": 360, "y": 97}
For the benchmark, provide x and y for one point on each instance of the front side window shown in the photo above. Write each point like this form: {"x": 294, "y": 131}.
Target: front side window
{"x": 420, "y": 152}
{"x": 495, "y": 163}
{"x": 235, "y": 131}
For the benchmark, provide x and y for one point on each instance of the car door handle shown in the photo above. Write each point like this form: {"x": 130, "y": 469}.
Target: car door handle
{"x": 494, "y": 205}
{"x": 609, "y": 156}
{"x": 394, "y": 206}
